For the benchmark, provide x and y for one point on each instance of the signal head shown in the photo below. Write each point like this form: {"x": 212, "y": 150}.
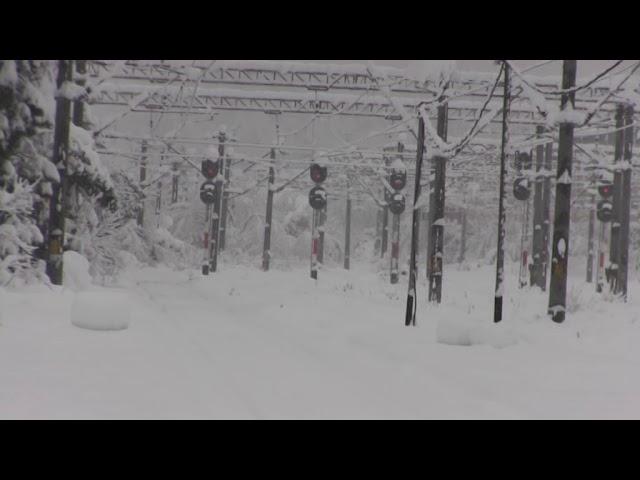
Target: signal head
{"x": 521, "y": 189}
{"x": 605, "y": 189}
{"x": 317, "y": 197}
{"x": 209, "y": 168}
{"x": 318, "y": 173}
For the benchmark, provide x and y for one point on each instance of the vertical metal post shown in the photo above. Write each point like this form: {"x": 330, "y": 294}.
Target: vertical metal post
{"x": 524, "y": 260}
{"x": 225, "y": 204}
{"x": 625, "y": 213}
{"x": 322, "y": 220}
{"x": 158, "y": 203}
{"x": 206, "y": 261}
{"x": 546, "y": 214}
{"x": 385, "y": 228}
{"x": 78, "y": 104}
{"x": 590, "y": 246}
{"x": 410, "y": 313}
{"x": 378, "y": 242}
{"x": 174, "y": 184}
{"x": 538, "y": 216}
{"x": 463, "y": 234}
{"x": 437, "y": 216}
{"x": 347, "y": 230}
{"x": 214, "y": 237}
{"x": 600, "y": 279}
{"x": 497, "y": 307}
{"x": 266, "y": 250}
{"x": 395, "y": 247}
{"x": 562, "y": 214}
{"x": 314, "y": 244}
{"x": 616, "y": 221}
{"x": 60, "y": 153}
{"x": 141, "y": 179}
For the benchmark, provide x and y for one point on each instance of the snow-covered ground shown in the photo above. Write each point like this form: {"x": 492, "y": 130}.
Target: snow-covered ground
{"x": 247, "y": 344}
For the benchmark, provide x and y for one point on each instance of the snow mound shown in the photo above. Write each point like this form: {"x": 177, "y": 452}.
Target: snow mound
{"x": 75, "y": 271}
{"x": 465, "y": 332}
{"x": 101, "y": 310}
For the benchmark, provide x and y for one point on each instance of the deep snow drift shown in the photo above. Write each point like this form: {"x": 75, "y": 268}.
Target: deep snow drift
{"x": 247, "y": 344}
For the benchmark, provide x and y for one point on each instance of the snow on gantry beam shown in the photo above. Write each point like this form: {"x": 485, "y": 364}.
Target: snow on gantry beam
{"x": 172, "y": 99}
{"x": 317, "y": 77}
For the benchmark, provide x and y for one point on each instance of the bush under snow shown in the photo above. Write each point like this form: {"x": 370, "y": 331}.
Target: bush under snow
{"x": 101, "y": 310}
{"x": 75, "y": 273}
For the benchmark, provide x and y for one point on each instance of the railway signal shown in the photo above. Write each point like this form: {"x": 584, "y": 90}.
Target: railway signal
{"x": 398, "y": 180}
{"x": 521, "y": 190}
{"x": 604, "y": 209}
{"x": 317, "y": 197}
{"x": 208, "y": 192}
{"x": 318, "y": 201}
{"x": 209, "y": 169}
{"x": 523, "y": 161}
{"x": 397, "y": 203}
{"x": 605, "y": 189}
{"x": 318, "y": 173}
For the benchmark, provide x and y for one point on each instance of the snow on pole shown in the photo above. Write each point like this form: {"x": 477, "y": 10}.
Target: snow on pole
{"x": 538, "y": 215}
{"x": 395, "y": 248}
{"x": 436, "y": 236}
{"x": 497, "y": 309}
{"x": 590, "y": 252}
{"x": 626, "y": 202}
{"x": 60, "y": 154}
{"x": 214, "y": 237}
{"x": 314, "y": 245}
{"x": 561, "y": 224}
{"x": 141, "y": 179}
{"x": 347, "y": 230}
{"x": 266, "y": 250}
{"x": 410, "y": 314}
{"x": 614, "y": 244}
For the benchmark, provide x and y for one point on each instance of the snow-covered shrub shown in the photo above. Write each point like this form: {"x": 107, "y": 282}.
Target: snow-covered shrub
{"x": 26, "y": 110}
{"x": 76, "y": 271}
{"x": 18, "y": 236}
{"x": 101, "y": 310}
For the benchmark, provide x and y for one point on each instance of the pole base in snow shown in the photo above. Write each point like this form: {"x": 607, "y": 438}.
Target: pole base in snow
{"x": 497, "y": 310}
{"x": 409, "y": 318}
{"x": 205, "y": 269}
{"x": 557, "y": 315}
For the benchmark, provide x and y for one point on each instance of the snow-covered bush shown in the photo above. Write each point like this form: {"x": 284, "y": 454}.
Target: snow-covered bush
{"x": 18, "y": 236}
{"x": 26, "y": 111}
